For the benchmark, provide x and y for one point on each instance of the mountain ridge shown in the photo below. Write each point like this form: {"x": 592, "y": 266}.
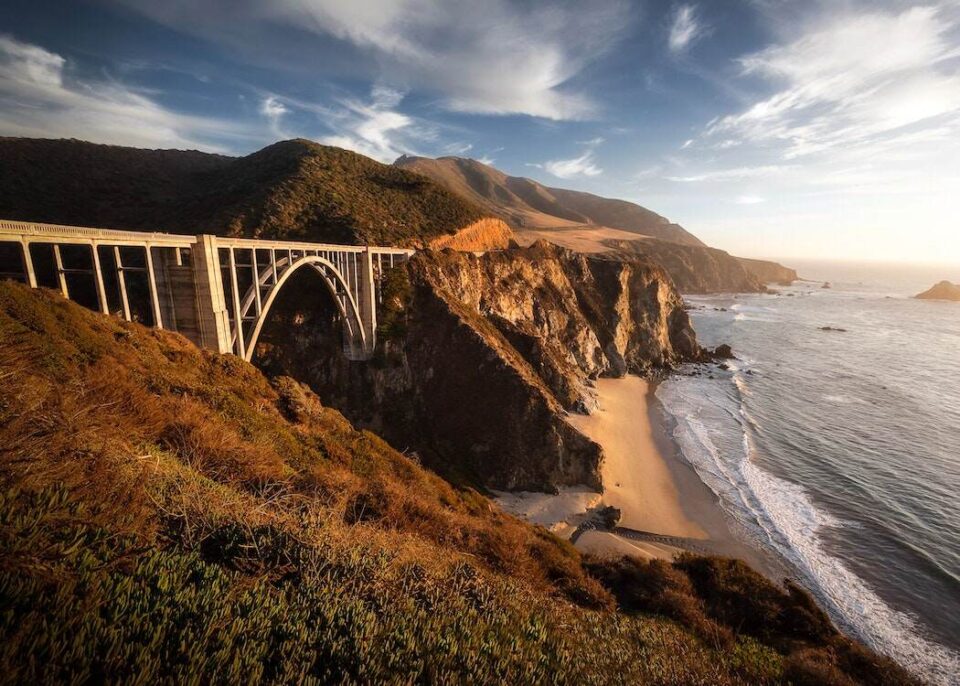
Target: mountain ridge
{"x": 295, "y": 190}
{"x": 590, "y": 223}
{"x": 526, "y": 203}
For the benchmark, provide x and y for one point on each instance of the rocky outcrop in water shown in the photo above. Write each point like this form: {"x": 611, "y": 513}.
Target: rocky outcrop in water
{"x": 482, "y": 357}
{"x": 941, "y": 291}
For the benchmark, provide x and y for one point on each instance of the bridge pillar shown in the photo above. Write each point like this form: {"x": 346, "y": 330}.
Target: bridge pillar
{"x": 212, "y": 319}
{"x": 367, "y": 301}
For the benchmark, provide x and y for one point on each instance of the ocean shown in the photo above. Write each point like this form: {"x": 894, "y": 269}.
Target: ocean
{"x": 840, "y": 450}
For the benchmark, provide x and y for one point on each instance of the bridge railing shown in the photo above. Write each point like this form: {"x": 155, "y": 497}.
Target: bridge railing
{"x": 211, "y": 289}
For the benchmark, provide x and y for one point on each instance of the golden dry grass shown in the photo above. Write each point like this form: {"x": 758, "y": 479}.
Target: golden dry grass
{"x": 170, "y": 515}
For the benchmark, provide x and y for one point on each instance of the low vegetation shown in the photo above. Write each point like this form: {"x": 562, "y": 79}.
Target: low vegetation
{"x": 171, "y": 515}
{"x": 293, "y": 190}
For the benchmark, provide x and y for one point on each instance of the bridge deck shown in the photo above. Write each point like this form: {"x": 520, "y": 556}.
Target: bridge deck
{"x": 215, "y": 290}
{"x": 37, "y": 232}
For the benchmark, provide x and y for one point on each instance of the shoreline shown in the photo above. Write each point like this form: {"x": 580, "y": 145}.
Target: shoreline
{"x": 706, "y": 505}
{"x": 665, "y": 507}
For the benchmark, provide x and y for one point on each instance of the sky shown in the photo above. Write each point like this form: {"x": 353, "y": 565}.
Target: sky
{"x": 769, "y": 128}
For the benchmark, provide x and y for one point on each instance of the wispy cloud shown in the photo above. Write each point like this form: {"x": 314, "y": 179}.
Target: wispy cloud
{"x": 733, "y": 174}
{"x": 457, "y": 148}
{"x": 686, "y": 29}
{"x": 851, "y": 79}
{"x": 581, "y": 166}
{"x": 38, "y": 98}
{"x": 494, "y": 57}
{"x": 374, "y": 127}
{"x": 584, "y": 165}
{"x": 273, "y": 109}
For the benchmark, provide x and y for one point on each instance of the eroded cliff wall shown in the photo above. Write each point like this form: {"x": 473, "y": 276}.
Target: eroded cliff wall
{"x": 481, "y": 357}
{"x": 769, "y": 272}
{"x": 694, "y": 269}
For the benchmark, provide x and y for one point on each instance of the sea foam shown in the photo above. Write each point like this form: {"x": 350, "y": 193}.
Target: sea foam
{"x": 713, "y": 430}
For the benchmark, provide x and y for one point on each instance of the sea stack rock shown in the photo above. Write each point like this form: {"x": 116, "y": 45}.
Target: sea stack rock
{"x": 941, "y": 291}
{"x": 723, "y": 352}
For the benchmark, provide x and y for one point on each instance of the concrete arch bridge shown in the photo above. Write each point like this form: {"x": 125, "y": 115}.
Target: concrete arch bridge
{"x": 215, "y": 291}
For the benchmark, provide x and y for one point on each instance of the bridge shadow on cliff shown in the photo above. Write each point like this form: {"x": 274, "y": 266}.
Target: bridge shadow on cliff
{"x": 303, "y": 338}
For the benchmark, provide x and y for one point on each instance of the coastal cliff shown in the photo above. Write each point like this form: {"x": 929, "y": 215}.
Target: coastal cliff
{"x": 482, "y": 357}
{"x": 694, "y": 269}
{"x": 484, "y": 234}
{"x": 591, "y": 223}
{"x": 767, "y": 271}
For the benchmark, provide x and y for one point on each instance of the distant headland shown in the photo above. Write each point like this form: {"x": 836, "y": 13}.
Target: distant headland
{"x": 941, "y": 291}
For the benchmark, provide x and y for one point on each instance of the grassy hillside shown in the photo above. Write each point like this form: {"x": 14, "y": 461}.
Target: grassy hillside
{"x": 525, "y": 203}
{"x": 171, "y": 515}
{"x": 294, "y": 189}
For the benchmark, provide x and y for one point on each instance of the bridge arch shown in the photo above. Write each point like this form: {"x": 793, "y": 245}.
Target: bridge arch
{"x": 215, "y": 290}
{"x": 355, "y": 337}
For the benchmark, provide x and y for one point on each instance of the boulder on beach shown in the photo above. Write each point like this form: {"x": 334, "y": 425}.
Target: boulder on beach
{"x": 609, "y": 516}
{"x": 941, "y": 291}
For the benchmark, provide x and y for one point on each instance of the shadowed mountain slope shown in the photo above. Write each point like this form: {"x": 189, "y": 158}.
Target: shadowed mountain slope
{"x": 294, "y": 189}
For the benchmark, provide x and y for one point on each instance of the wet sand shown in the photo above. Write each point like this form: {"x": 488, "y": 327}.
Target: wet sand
{"x": 665, "y": 507}
{"x": 645, "y": 476}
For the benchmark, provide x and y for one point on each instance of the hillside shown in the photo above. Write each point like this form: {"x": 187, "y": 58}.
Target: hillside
{"x": 525, "y": 204}
{"x": 169, "y": 515}
{"x": 769, "y": 272}
{"x": 294, "y": 189}
{"x": 589, "y": 223}
{"x": 694, "y": 269}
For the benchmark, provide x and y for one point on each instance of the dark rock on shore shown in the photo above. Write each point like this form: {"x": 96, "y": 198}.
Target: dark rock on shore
{"x": 723, "y": 352}
{"x": 609, "y": 516}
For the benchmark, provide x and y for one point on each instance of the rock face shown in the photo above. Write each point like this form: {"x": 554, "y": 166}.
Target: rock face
{"x": 484, "y": 234}
{"x": 769, "y": 272}
{"x": 941, "y": 291}
{"x": 482, "y": 356}
{"x": 695, "y": 269}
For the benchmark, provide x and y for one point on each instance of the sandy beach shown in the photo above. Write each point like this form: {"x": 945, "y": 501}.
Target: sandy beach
{"x": 636, "y": 478}
{"x": 645, "y": 477}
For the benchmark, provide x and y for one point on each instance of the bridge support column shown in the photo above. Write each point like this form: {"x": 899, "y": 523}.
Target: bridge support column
{"x": 367, "y": 302}
{"x": 212, "y": 319}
